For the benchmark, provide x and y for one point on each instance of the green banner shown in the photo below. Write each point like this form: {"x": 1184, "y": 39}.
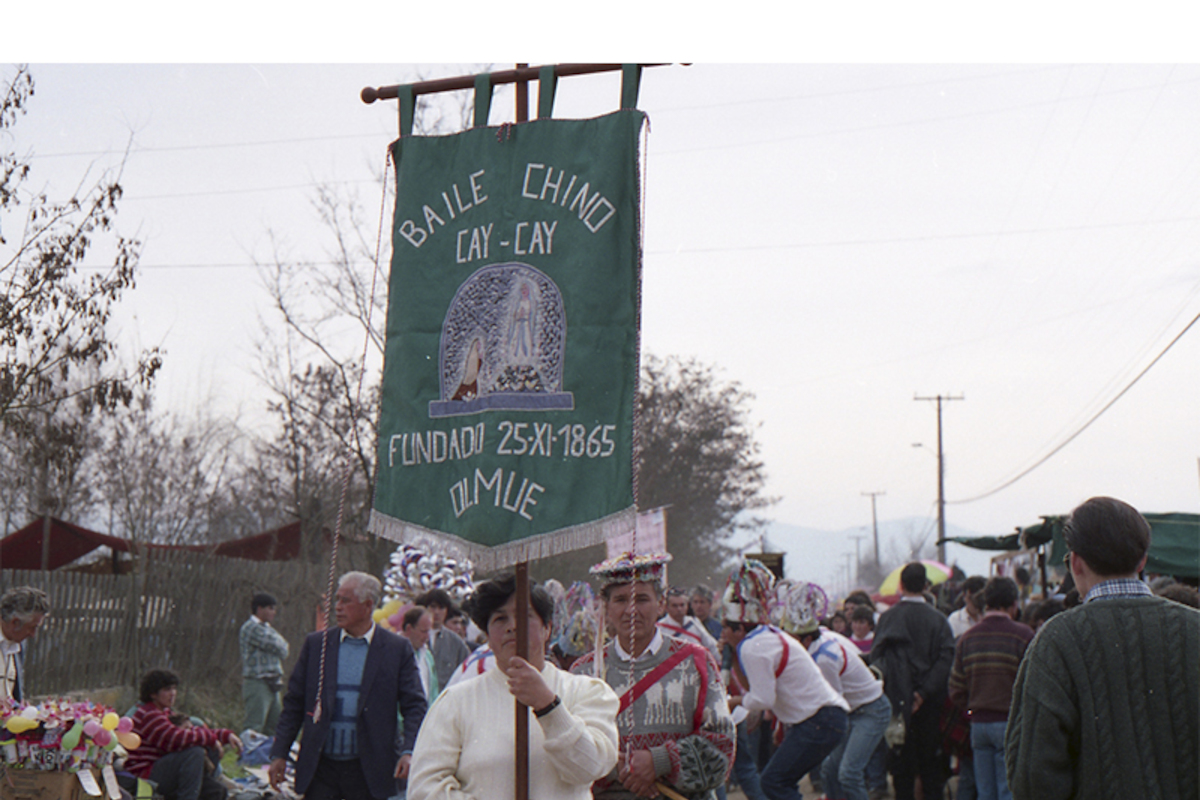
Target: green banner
{"x": 506, "y": 426}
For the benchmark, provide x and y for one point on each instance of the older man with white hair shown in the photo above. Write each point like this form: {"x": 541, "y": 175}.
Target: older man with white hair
{"x": 22, "y": 610}
{"x": 346, "y": 691}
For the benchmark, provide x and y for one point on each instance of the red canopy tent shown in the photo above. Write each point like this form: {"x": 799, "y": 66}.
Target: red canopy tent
{"x": 23, "y": 549}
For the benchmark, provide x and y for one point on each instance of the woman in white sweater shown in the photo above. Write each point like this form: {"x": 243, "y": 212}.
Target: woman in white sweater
{"x": 465, "y": 748}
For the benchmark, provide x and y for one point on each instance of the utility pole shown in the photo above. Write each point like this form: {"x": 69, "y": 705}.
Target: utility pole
{"x": 857, "y": 559}
{"x": 848, "y": 556}
{"x": 941, "y": 544}
{"x": 874, "y": 524}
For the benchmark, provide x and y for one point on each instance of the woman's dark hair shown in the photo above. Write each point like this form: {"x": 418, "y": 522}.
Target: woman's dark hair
{"x": 491, "y": 595}
{"x": 155, "y": 681}
{"x": 863, "y": 614}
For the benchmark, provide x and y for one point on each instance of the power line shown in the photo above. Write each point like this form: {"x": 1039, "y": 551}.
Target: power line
{"x": 1085, "y": 425}
{"x": 931, "y": 237}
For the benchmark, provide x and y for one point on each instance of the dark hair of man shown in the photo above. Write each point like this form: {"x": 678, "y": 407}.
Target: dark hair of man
{"x": 1000, "y": 593}
{"x": 973, "y": 584}
{"x": 676, "y": 591}
{"x": 412, "y": 617}
{"x": 703, "y": 592}
{"x": 453, "y": 612}
{"x": 1110, "y": 535}
{"x": 262, "y": 599}
{"x": 657, "y": 586}
{"x": 436, "y": 598}
{"x": 490, "y": 597}
{"x": 155, "y": 681}
{"x": 863, "y": 614}
{"x": 1021, "y": 575}
{"x": 913, "y": 578}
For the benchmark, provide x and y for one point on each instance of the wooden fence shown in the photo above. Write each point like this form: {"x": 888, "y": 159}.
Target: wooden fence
{"x": 180, "y": 611}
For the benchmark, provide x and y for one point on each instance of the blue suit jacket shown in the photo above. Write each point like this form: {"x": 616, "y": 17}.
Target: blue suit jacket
{"x": 390, "y": 684}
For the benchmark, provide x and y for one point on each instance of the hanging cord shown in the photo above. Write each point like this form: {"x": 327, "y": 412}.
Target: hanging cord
{"x": 362, "y": 369}
{"x": 640, "y": 186}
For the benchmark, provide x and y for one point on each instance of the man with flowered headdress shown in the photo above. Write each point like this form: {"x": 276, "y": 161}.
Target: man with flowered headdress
{"x": 780, "y": 676}
{"x": 675, "y": 727}
{"x": 798, "y": 608}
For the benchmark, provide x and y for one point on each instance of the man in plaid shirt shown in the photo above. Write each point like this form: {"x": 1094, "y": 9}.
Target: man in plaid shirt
{"x": 263, "y": 650}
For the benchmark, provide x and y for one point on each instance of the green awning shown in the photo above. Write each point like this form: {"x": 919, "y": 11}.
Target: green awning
{"x": 1174, "y": 542}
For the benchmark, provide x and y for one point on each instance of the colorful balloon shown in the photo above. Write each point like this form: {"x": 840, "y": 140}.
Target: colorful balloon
{"x": 70, "y": 739}
{"x": 91, "y": 728}
{"x": 125, "y": 724}
{"x": 110, "y": 721}
{"x": 20, "y": 724}
{"x": 102, "y": 737}
{"x": 129, "y": 740}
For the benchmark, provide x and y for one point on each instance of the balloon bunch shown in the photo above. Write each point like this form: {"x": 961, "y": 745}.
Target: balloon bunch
{"x": 414, "y": 572}
{"x": 391, "y": 615}
{"x": 63, "y": 735}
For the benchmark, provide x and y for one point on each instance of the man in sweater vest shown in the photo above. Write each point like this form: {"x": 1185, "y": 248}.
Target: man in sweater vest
{"x": 676, "y": 731}
{"x": 986, "y": 659}
{"x": 1105, "y": 702}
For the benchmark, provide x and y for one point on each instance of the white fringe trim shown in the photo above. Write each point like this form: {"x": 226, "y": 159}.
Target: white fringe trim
{"x": 491, "y": 559}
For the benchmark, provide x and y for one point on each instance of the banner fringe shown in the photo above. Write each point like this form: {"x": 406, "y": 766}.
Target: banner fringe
{"x": 492, "y": 559}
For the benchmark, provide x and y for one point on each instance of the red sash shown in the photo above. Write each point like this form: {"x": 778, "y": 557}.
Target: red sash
{"x": 699, "y": 655}
{"x": 784, "y": 658}
{"x": 681, "y": 630}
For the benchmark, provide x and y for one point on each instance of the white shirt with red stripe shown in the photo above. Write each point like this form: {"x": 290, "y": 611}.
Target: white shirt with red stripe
{"x": 783, "y": 678}
{"x": 839, "y": 661}
{"x": 480, "y": 661}
{"x": 690, "y": 630}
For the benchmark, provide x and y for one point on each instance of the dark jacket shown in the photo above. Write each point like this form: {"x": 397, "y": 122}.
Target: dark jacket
{"x": 390, "y": 683}
{"x": 914, "y": 649}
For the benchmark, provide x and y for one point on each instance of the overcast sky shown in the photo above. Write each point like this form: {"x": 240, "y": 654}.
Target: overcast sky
{"x": 836, "y": 237}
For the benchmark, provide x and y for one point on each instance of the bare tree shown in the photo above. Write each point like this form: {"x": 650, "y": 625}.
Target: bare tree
{"x": 53, "y": 320}
{"x": 163, "y": 480}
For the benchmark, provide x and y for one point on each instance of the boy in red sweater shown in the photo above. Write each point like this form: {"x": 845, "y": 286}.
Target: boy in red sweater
{"x": 170, "y": 755}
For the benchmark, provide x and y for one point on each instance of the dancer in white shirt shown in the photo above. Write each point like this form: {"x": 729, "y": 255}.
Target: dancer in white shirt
{"x": 782, "y": 678}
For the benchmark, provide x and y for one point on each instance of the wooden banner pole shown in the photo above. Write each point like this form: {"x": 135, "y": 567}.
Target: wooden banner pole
{"x": 520, "y": 76}
{"x": 522, "y": 604}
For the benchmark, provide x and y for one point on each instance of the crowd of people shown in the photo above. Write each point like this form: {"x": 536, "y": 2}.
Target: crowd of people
{"x": 659, "y": 691}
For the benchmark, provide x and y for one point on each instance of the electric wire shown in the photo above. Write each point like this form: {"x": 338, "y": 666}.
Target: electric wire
{"x": 1082, "y": 428}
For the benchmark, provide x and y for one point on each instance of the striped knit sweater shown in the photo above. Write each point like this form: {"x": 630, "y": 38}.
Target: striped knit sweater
{"x": 1107, "y": 705}
{"x": 161, "y": 736}
{"x": 986, "y": 659}
{"x": 693, "y": 761}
